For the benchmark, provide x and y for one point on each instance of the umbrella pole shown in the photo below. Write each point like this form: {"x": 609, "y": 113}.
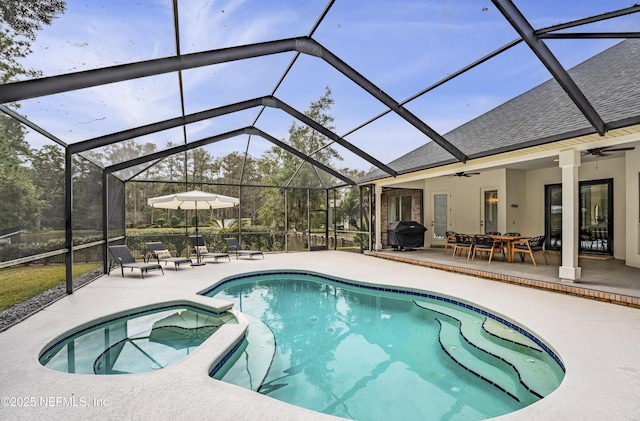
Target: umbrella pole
{"x": 198, "y": 262}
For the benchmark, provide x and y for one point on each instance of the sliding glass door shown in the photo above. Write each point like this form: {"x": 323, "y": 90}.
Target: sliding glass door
{"x": 553, "y": 216}
{"x": 595, "y": 216}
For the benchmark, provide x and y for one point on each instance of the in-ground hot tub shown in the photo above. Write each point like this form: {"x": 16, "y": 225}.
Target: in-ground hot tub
{"x": 136, "y": 341}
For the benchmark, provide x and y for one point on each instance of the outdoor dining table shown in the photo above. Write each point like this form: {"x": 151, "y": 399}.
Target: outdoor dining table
{"x": 509, "y": 241}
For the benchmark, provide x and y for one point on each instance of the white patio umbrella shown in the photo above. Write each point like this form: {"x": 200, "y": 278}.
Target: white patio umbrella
{"x": 193, "y": 200}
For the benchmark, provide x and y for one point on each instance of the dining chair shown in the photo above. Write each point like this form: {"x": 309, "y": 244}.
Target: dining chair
{"x": 485, "y": 244}
{"x": 530, "y": 246}
{"x": 463, "y": 241}
{"x": 451, "y": 240}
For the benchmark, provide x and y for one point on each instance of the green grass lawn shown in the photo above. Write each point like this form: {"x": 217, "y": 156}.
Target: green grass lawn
{"x": 20, "y": 283}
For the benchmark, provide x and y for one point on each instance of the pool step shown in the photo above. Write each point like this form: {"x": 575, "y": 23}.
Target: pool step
{"x": 499, "y": 330}
{"x": 493, "y": 372}
{"x": 251, "y": 365}
{"x": 520, "y": 357}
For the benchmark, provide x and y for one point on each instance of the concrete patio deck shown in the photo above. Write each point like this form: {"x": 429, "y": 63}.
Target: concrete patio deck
{"x": 606, "y": 280}
{"x": 597, "y": 341}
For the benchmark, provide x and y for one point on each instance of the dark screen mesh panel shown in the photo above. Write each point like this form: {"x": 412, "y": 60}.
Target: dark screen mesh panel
{"x": 262, "y": 226}
{"x": 87, "y": 201}
{"x": 32, "y": 196}
{"x": 115, "y": 206}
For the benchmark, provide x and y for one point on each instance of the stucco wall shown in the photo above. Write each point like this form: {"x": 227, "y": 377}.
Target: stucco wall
{"x": 516, "y": 201}
{"x": 466, "y": 200}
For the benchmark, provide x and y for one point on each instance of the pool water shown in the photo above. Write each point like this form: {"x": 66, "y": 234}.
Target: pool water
{"x": 367, "y": 354}
{"x": 136, "y": 342}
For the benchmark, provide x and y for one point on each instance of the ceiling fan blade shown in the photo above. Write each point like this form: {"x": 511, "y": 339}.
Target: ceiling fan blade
{"x": 630, "y": 148}
{"x": 602, "y": 151}
{"x": 464, "y": 174}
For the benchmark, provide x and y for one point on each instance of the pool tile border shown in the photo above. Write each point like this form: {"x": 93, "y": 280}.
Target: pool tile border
{"x": 124, "y": 315}
{"x": 381, "y": 288}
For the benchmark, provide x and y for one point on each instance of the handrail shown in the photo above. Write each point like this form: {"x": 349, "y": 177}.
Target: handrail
{"x": 52, "y": 253}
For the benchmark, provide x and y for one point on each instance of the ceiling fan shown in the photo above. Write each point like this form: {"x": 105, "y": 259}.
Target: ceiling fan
{"x": 604, "y": 151}
{"x": 465, "y": 174}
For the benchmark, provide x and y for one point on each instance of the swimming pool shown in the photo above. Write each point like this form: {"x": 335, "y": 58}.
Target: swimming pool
{"x": 135, "y": 341}
{"x": 358, "y": 351}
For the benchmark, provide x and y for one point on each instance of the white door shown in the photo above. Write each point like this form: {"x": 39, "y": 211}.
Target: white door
{"x": 440, "y": 217}
{"x": 489, "y": 210}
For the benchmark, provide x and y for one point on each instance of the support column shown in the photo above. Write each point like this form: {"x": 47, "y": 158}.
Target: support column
{"x": 569, "y": 162}
{"x": 105, "y": 221}
{"x": 378, "y": 193}
{"x": 68, "y": 219}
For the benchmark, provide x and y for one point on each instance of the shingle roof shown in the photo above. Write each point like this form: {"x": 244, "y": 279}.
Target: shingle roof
{"x": 609, "y": 80}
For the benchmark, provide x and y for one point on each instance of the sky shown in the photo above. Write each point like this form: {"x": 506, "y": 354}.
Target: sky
{"x": 402, "y": 46}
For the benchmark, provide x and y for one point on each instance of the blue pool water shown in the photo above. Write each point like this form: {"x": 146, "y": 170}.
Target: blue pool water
{"x": 370, "y": 354}
{"x": 134, "y": 342}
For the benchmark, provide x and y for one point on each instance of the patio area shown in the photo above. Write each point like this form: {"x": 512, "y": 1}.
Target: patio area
{"x": 608, "y": 280}
{"x": 597, "y": 341}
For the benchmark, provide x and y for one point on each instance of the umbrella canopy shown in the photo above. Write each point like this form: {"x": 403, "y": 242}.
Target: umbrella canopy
{"x": 195, "y": 200}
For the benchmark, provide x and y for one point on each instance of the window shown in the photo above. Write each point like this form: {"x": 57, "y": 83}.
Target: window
{"x": 399, "y": 208}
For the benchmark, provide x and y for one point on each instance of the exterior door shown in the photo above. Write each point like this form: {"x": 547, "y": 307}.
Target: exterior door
{"x": 596, "y": 216}
{"x": 553, "y": 216}
{"x": 440, "y": 218}
{"x": 489, "y": 217}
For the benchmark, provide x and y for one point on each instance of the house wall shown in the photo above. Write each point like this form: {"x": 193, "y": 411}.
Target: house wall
{"x": 515, "y": 201}
{"x": 526, "y": 190}
{"x": 533, "y": 223}
{"x": 466, "y": 201}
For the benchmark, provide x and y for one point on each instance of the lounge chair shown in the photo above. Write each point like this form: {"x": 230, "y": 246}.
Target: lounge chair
{"x": 530, "y": 246}
{"x": 161, "y": 254}
{"x": 235, "y": 247}
{"x": 122, "y": 257}
{"x": 201, "y": 251}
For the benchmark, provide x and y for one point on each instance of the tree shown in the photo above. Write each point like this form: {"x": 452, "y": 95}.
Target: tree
{"x": 121, "y": 152}
{"x": 285, "y": 169}
{"x": 349, "y": 204}
{"x": 87, "y": 194}
{"x": 20, "y": 198}
{"x": 19, "y": 22}
{"x": 200, "y": 166}
{"x": 48, "y": 177}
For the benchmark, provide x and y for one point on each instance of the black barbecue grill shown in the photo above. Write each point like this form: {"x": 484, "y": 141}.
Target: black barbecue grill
{"x": 405, "y": 235}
